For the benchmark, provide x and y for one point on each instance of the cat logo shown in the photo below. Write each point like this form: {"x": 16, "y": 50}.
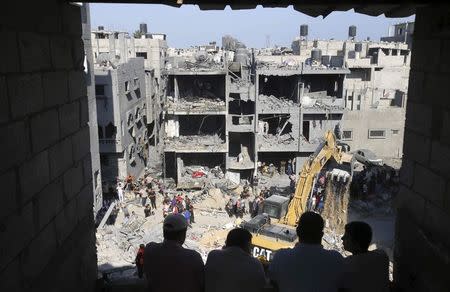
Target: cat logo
{"x": 259, "y": 251}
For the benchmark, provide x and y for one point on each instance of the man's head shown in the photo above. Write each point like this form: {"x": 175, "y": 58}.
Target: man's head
{"x": 141, "y": 245}
{"x": 310, "y": 228}
{"x": 357, "y": 237}
{"x": 239, "y": 237}
{"x": 174, "y": 228}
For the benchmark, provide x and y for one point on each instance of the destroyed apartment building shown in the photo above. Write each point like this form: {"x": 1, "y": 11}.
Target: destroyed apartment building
{"x": 130, "y": 95}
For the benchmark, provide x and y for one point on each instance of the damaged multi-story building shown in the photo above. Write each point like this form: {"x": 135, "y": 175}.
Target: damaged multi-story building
{"x": 129, "y": 92}
{"x": 228, "y": 113}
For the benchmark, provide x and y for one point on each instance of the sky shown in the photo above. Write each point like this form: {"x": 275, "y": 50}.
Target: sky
{"x": 189, "y": 26}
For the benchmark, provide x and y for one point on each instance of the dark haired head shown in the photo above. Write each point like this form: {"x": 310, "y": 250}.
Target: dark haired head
{"x": 357, "y": 237}
{"x": 239, "y": 237}
{"x": 310, "y": 228}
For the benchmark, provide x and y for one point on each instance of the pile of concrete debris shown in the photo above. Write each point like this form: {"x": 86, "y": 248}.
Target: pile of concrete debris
{"x": 196, "y": 104}
{"x": 273, "y": 102}
{"x": 212, "y": 143}
{"x": 284, "y": 139}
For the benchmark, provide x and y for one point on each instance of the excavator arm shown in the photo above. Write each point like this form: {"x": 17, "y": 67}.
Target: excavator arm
{"x": 328, "y": 149}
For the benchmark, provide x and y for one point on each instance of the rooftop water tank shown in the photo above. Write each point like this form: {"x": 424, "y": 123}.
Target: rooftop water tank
{"x": 352, "y": 31}
{"x": 303, "y": 30}
{"x": 101, "y": 27}
{"x": 316, "y": 55}
{"x": 143, "y": 28}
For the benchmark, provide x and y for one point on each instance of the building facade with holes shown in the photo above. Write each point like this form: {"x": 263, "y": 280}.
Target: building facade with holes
{"x": 121, "y": 116}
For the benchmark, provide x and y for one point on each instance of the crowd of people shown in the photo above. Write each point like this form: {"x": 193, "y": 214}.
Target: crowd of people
{"x": 305, "y": 267}
{"x": 371, "y": 179}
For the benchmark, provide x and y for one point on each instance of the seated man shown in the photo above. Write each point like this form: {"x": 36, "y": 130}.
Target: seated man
{"x": 364, "y": 270}
{"x": 233, "y": 268}
{"x": 170, "y": 267}
{"x": 308, "y": 266}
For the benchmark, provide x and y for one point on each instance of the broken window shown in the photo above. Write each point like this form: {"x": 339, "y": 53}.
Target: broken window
{"x": 347, "y": 134}
{"x": 202, "y": 125}
{"x": 320, "y": 86}
{"x": 127, "y": 86}
{"x": 142, "y": 55}
{"x": 286, "y": 87}
{"x": 377, "y": 134}
{"x": 201, "y": 87}
{"x": 138, "y": 93}
{"x": 110, "y": 131}
{"x": 240, "y": 107}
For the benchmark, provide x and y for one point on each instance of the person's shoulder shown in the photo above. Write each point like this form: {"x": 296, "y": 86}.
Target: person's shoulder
{"x": 192, "y": 253}
{"x": 333, "y": 254}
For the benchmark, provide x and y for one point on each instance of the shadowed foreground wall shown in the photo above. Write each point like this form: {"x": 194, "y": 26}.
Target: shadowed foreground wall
{"x": 422, "y": 247}
{"x": 47, "y": 235}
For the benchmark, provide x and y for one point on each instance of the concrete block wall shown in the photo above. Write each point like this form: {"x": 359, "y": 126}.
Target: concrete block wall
{"x": 422, "y": 243}
{"x": 47, "y": 234}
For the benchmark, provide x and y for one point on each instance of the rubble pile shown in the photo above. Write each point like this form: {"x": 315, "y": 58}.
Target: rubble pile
{"x": 275, "y": 103}
{"x": 196, "y": 104}
{"x": 285, "y": 139}
{"x": 212, "y": 143}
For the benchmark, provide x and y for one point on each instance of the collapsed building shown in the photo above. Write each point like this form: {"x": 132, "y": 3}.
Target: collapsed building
{"x": 130, "y": 91}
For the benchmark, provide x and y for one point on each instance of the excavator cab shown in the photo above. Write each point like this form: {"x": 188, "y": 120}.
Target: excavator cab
{"x": 276, "y": 206}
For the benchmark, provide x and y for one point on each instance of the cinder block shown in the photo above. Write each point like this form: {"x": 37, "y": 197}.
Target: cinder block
{"x": 77, "y": 85}
{"x": 25, "y": 94}
{"x": 416, "y": 147}
{"x": 73, "y": 181}
{"x": 4, "y": 104}
{"x": 440, "y": 157}
{"x": 69, "y": 118}
{"x": 44, "y": 130}
{"x": 437, "y": 222}
{"x": 84, "y": 111}
{"x": 71, "y": 16}
{"x": 17, "y": 231}
{"x": 8, "y": 198}
{"x": 40, "y": 251}
{"x": 60, "y": 157}
{"x": 407, "y": 172}
{"x": 78, "y": 53}
{"x": 11, "y": 277}
{"x": 56, "y": 88}
{"x": 8, "y": 48}
{"x": 34, "y": 175}
{"x": 445, "y": 130}
{"x": 81, "y": 144}
{"x": 49, "y": 202}
{"x": 61, "y": 52}
{"x": 14, "y": 143}
{"x": 87, "y": 169}
{"x": 412, "y": 202}
{"x": 419, "y": 118}
{"x": 430, "y": 185}
{"x": 421, "y": 59}
{"x": 34, "y": 52}
{"x": 66, "y": 221}
{"x": 85, "y": 202}
{"x": 435, "y": 86}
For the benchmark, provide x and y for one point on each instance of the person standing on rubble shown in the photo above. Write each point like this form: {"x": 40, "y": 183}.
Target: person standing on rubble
{"x": 168, "y": 266}
{"x": 139, "y": 261}
{"x": 364, "y": 270}
{"x": 307, "y": 266}
{"x": 120, "y": 192}
{"x": 289, "y": 170}
{"x": 233, "y": 268}
{"x": 152, "y": 197}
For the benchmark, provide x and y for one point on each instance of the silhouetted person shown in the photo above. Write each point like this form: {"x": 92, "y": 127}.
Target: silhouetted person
{"x": 139, "y": 260}
{"x": 233, "y": 268}
{"x": 168, "y": 266}
{"x": 308, "y": 266}
{"x": 364, "y": 270}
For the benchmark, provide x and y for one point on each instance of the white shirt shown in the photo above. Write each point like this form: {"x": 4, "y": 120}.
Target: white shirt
{"x": 306, "y": 268}
{"x": 366, "y": 272}
{"x": 232, "y": 269}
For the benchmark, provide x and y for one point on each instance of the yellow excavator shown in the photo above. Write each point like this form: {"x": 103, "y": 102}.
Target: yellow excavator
{"x": 274, "y": 227}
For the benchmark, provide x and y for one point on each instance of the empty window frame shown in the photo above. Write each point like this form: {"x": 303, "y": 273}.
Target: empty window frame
{"x": 347, "y": 135}
{"x": 377, "y": 134}
{"x": 141, "y": 54}
{"x": 395, "y": 132}
{"x": 127, "y": 86}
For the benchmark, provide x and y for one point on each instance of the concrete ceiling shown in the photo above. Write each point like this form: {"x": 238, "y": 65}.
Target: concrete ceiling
{"x": 392, "y": 8}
